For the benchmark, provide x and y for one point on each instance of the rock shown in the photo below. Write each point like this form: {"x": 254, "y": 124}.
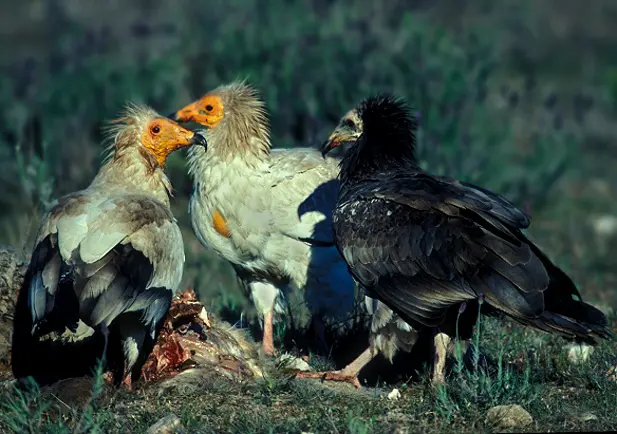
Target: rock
{"x": 188, "y": 381}
{"x": 508, "y": 416}
{"x": 12, "y": 270}
{"x": 293, "y": 363}
{"x": 578, "y": 353}
{"x": 612, "y": 373}
{"x": 77, "y": 391}
{"x": 586, "y": 417}
{"x": 170, "y": 424}
{"x": 7, "y": 385}
{"x": 605, "y": 225}
{"x": 394, "y": 395}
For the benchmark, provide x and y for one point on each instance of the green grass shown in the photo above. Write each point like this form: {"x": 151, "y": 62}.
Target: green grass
{"x": 526, "y": 368}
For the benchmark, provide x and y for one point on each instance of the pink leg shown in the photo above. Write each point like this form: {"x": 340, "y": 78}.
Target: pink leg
{"x": 128, "y": 383}
{"x": 268, "y": 341}
{"x": 348, "y": 374}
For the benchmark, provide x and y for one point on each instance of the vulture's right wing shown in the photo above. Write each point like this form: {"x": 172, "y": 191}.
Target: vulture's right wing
{"x": 125, "y": 252}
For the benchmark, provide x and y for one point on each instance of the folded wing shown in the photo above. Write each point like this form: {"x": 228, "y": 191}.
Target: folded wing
{"x": 422, "y": 244}
{"x": 125, "y": 253}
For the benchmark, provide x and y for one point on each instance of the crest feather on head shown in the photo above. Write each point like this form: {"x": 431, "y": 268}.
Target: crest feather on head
{"x": 124, "y": 131}
{"x": 244, "y": 130}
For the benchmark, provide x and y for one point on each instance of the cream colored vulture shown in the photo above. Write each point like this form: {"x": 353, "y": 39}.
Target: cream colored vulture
{"x": 266, "y": 211}
{"x": 110, "y": 255}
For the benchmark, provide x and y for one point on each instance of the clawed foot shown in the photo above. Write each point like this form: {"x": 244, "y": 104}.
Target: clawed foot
{"x": 339, "y": 376}
{"x": 126, "y": 384}
{"x": 438, "y": 380}
{"x": 108, "y": 377}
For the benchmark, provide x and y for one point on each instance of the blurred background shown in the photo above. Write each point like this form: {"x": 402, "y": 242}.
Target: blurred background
{"x": 518, "y": 96}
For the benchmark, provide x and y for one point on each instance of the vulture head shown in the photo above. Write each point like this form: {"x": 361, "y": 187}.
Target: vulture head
{"x": 380, "y": 132}
{"x": 348, "y": 131}
{"x": 158, "y": 135}
{"x": 235, "y": 119}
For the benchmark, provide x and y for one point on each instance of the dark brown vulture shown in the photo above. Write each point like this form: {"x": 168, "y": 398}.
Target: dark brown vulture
{"x": 426, "y": 246}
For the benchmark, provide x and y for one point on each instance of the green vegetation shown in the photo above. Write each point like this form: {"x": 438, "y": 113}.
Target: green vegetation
{"x": 528, "y": 369}
{"x": 517, "y": 96}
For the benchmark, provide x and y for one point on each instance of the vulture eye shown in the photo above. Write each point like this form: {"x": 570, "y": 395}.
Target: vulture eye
{"x": 156, "y": 129}
{"x": 209, "y": 108}
{"x": 349, "y": 123}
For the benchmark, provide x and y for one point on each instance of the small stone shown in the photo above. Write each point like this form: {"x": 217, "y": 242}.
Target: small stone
{"x": 605, "y": 225}
{"x": 578, "y": 353}
{"x": 287, "y": 361}
{"x": 612, "y": 373}
{"x": 394, "y": 395}
{"x": 7, "y": 385}
{"x": 586, "y": 417}
{"x": 508, "y": 416}
{"x": 188, "y": 381}
{"x": 170, "y": 424}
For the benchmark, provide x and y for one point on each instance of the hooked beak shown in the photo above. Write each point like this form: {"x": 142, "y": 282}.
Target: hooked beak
{"x": 187, "y": 114}
{"x": 332, "y": 142}
{"x": 199, "y": 140}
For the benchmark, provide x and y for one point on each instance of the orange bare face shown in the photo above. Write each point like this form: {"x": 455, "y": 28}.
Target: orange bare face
{"x": 163, "y": 136}
{"x": 207, "y": 111}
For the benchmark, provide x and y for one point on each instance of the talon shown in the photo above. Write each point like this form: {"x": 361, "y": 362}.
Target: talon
{"x": 108, "y": 376}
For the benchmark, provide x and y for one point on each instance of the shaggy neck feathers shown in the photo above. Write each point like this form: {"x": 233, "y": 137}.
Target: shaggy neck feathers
{"x": 243, "y": 135}
{"x": 127, "y": 165}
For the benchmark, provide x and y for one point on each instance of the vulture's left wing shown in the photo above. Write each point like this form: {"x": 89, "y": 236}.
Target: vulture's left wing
{"x": 304, "y": 190}
{"x": 422, "y": 244}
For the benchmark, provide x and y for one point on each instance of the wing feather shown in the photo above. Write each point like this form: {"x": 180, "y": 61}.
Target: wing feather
{"x": 304, "y": 189}
{"x": 423, "y": 244}
{"x": 117, "y": 247}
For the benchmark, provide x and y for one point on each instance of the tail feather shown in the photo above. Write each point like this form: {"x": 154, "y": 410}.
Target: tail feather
{"x": 545, "y": 298}
{"x": 565, "y": 312}
{"x": 570, "y": 328}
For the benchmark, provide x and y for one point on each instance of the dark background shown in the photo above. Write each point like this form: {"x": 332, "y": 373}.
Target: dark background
{"x": 519, "y": 96}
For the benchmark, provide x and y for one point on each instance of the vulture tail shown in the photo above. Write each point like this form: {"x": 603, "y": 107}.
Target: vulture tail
{"x": 538, "y": 294}
{"x": 564, "y": 311}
